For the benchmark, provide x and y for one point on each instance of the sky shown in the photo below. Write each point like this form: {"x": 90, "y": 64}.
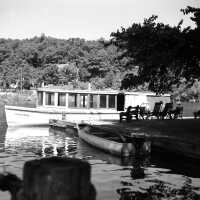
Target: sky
{"x": 88, "y": 19}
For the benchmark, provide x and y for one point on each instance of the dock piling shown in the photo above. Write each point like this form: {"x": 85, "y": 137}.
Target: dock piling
{"x": 58, "y": 178}
{"x": 141, "y": 143}
{"x": 52, "y": 178}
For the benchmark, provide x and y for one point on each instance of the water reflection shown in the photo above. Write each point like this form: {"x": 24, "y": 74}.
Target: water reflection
{"x": 114, "y": 178}
{"x": 138, "y": 167}
{"x": 59, "y": 144}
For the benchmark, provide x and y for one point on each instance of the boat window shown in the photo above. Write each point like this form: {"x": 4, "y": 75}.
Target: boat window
{"x": 49, "y": 98}
{"x": 40, "y": 98}
{"x": 111, "y": 101}
{"x": 103, "y": 101}
{"x": 61, "y": 99}
{"x": 72, "y": 100}
{"x": 93, "y": 101}
{"x": 83, "y": 100}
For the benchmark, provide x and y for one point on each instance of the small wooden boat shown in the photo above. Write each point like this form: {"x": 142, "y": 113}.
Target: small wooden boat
{"x": 70, "y": 128}
{"x": 113, "y": 143}
{"x": 61, "y": 123}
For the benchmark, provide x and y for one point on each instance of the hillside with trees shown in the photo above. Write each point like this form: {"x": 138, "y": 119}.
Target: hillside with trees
{"x": 148, "y": 56}
{"x": 57, "y": 61}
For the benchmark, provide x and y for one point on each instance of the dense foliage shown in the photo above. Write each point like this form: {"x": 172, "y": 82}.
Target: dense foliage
{"x": 57, "y": 61}
{"x": 165, "y": 55}
{"x": 148, "y": 56}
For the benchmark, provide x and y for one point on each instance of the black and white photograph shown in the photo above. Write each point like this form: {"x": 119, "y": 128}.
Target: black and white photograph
{"x": 99, "y": 99}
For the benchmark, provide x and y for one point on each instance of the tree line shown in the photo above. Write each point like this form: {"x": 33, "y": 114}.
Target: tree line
{"x": 57, "y": 61}
{"x": 145, "y": 56}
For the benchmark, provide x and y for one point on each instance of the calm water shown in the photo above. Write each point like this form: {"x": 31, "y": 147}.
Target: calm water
{"x": 114, "y": 179}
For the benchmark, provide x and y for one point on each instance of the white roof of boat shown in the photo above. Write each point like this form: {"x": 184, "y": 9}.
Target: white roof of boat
{"x": 50, "y": 89}
{"x": 106, "y": 91}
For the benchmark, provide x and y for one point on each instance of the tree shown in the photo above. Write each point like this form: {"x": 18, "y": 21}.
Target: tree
{"x": 50, "y": 75}
{"x": 192, "y": 47}
{"x": 163, "y": 53}
{"x": 68, "y": 73}
{"x": 195, "y": 12}
{"x": 153, "y": 47}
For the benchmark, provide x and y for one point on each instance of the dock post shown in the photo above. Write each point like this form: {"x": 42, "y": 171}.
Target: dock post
{"x": 141, "y": 144}
{"x": 53, "y": 178}
{"x": 57, "y": 178}
{"x": 142, "y": 149}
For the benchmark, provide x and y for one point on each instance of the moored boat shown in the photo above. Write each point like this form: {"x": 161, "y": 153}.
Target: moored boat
{"x": 61, "y": 123}
{"x": 114, "y": 143}
{"x": 77, "y": 104}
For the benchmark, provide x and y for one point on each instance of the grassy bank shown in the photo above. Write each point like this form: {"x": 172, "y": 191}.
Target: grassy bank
{"x": 182, "y": 129}
{"x": 187, "y": 129}
{"x": 181, "y": 137}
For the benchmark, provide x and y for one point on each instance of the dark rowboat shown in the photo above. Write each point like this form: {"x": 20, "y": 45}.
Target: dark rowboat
{"x": 113, "y": 143}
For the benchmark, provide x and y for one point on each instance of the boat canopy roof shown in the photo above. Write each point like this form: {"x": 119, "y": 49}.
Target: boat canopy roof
{"x": 46, "y": 89}
{"x": 106, "y": 91}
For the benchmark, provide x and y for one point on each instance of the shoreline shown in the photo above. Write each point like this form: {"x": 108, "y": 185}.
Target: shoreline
{"x": 168, "y": 136}
{"x": 180, "y": 136}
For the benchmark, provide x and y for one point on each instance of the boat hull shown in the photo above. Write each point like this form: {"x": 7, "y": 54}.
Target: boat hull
{"x": 112, "y": 147}
{"x": 23, "y": 115}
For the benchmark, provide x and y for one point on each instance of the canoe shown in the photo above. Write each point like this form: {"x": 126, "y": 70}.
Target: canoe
{"x": 111, "y": 142}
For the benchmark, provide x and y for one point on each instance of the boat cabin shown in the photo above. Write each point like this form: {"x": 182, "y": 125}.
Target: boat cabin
{"x": 113, "y": 100}
{"x": 76, "y": 99}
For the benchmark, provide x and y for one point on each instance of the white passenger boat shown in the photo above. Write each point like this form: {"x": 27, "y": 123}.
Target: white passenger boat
{"x": 79, "y": 105}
